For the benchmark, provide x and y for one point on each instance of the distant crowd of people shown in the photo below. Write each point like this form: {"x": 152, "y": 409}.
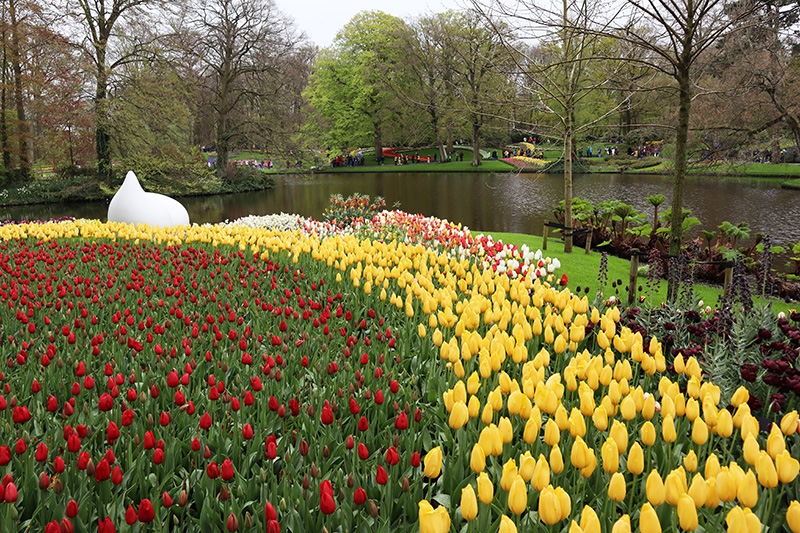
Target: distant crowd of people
{"x": 348, "y": 160}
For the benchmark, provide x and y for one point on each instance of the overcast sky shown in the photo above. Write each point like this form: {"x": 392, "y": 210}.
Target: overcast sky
{"x": 322, "y": 19}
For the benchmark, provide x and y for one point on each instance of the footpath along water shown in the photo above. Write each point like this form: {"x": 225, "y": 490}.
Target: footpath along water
{"x": 488, "y": 202}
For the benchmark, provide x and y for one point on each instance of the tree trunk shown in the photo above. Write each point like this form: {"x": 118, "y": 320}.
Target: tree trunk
{"x": 378, "y": 132}
{"x": 4, "y": 144}
{"x": 101, "y": 133}
{"x": 222, "y": 146}
{"x": 19, "y": 98}
{"x": 681, "y": 138}
{"x": 476, "y": 144}
{"x": 775, "y": 156}
{"x": 568, "y": 181}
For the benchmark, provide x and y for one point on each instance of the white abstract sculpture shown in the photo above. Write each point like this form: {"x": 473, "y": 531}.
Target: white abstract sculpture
{"x": 132, "y": 205}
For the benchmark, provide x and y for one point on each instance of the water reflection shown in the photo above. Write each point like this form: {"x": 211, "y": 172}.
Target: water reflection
{"x": 488, "y": 202}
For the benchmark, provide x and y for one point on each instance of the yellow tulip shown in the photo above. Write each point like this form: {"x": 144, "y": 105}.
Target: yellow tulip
{"x": 765, "y": 468}
{"x": 747, "y": 494}
{"x": 635, "y": 459}
{"x": 527, "y": 465}
{"x": 725, "y": 485}
{"x": 789, "y": 423}
{"x": 673, "y": 487}
{"x": 579, "y": 455}
{"x": 750, "y": 450}
{"x": 556, "y": 460}
{"x": 469, "y": 503}
{"x": 690, "y": 461}
{"x": 541, "y": 474}
{"x": 515, "y": 402}
{"x": 793, "y": 516}
{"x": 473, "y": 383}
{"x": 485, "y": 488}
{"x": 623, "y": 525}
{"x": 433, "y": 520}
{"x": 687, "y": 513}
{"x": 509, "y": 474}
{"x": 549, "y": 506}
{"x": 620, "y": 434}
{"x": 590, "y": 523}
{"x": 532, "y": 427}
{"x": 692, "y": 409}
{"x": 574, "y": 527}
{"x": 459, "y": 415}
{"x": 610, "y": 455}
{"x": 654, "y": 487}
{"x": 477, "y": 459}
{"x": 600, "y": 418}
{"x": 724, "y": 426}
{"x": 742, "y": 395}
{"x": 617, "y": 488}
{"x": 751, "y": 521}
{"x": 699, "y": 431}
{"x": 551, "y": 433}
{"x": 775, "y": 443}
{"x": 507, "y": 525}
{"x": 487, "y": 415}
{"x": 712, "y": 466}
{"x": 735, "y": 520}
{"x": 648, "y": 520}
{"x": 564, "y": 502}
{"x": 433, "y": 463}
{"x": 679, "y": 364}
{"x": 628, "y": 408}
{"x": 506, "y": 430}
{"x": 712, "y": 500}
{"x": 648, "y": 433}
{"x": 787, "y": 466}
{"x": 577, "y": 424}
{"x": 668, "y": 432}
{"x": 518, "y": 496}
{"x": 474, "y": 407}
{"x": 698, "y": 491}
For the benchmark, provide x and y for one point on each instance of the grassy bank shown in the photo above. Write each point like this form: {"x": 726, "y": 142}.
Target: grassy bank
{"x": 582, "y": 271}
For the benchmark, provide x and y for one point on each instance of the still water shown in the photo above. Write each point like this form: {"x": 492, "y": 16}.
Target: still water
{"x": 487, "y": 202}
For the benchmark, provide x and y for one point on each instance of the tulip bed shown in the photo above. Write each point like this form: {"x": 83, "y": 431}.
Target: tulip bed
{"x": 237, "y": 378}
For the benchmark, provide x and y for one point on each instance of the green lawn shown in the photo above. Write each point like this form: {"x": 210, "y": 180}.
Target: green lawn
{"x": 582, "y": 269}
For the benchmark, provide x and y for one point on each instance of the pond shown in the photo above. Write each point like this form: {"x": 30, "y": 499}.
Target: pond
{"x": 487, "y": 202}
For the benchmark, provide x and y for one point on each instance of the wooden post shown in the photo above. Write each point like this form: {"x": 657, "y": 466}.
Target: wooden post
{"x": 544, "y": 236}
{"x": 634, "y": 275}
{"x": 589, "y": 241}
{"x": 728, "y": 278}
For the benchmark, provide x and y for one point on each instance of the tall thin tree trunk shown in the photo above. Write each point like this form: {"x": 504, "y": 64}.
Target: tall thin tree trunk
{"x": 222, "y": 146}
{"x": 568, "y": 181}
{"x": 19, "y": 98}
{"x": 681, "y": 138}
{"x": 378, "y": 132}
{"x": 4, "y": 144}
{"x": 775, "y": 156}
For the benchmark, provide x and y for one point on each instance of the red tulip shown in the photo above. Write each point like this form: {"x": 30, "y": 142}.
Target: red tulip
{"x": 212, "y": 470}
{"x": 52, "y": 527}
{"x": 269, "y": 512}
{"x": 363, "y": 453}
{"x": 72, "y": 508}
{"x": 401, "y": 421}
{"x": 21, "y": 447}
{"x": 106, "y": 526}
{"x": 326, "y": 504}
{"x": 10, "y": 492}
{"x": 415, "y": 459}
{"x": 327, "y": 415}
{"x": 273, "y": 527}
{"x": 247, "y": 431}
{"x": 103, "y": 470}
{"x": 205, "y": 421}
{"x": 5, "y": 455}
{"x": 360, "y": 496}
{"x": 232, "y": 523}
{"x": 381, "y": 477}
{"x": 116, "y": 475}
{"x": 166, "y": 500}
{"x": 130, "y": 515}
{"x": 41, "y": 452}
{"x": 392, "y": 457}
{"x": 58, "y": 464}
{"x": 227, "y": 469}
{"x": 146, "y": 511}
{"x": 363, "y": 425}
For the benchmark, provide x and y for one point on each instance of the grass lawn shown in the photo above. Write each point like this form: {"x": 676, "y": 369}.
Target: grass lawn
{"x": 581, "y": 270}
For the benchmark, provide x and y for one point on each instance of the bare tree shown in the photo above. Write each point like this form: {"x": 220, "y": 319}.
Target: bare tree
{"x": 109, "y": 40}
{"x": 678, "y": 33}
{"x": 234, "y": 44}
{"x": 559, "y": 76}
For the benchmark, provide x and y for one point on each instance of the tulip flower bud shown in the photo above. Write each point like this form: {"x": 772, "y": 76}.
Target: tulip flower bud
{"x": 793, "y": 516}
{"x": 687, "y": 513}
{"x": 224, "y": 494}
{"x": 747, "y": 493}
{"x": 485, "y": 488}
{"x": 406, "y": 486}
{"x": 373, "y": 509}
{"x": 469, "y": 503}
{"x": 648, "y": 520}
{"x": 517, "y": 496}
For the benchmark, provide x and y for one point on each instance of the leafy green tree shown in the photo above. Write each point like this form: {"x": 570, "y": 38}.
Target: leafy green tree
{"x": 351, "y": 82}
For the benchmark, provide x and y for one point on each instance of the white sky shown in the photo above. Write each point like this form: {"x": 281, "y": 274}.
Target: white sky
{"x": 321, "y": 20}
